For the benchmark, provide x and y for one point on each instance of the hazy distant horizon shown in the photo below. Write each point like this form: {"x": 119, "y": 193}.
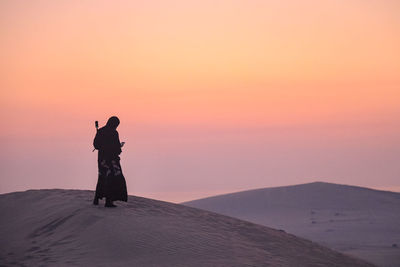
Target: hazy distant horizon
{"x": 179, "y": 197}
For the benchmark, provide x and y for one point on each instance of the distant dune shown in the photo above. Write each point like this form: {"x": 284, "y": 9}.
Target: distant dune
{"x": 354, "y": 220}
{"x": 63, "y": 228}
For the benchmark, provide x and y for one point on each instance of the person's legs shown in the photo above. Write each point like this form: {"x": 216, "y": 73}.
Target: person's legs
{"x": 111, "y": 184}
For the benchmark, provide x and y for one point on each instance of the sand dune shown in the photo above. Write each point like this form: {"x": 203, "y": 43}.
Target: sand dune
{"x": 62, "y": 228}
{"x": 354, "y": 220}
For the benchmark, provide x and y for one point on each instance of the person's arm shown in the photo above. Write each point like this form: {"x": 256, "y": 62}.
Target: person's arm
{"x": 118, "y": 144}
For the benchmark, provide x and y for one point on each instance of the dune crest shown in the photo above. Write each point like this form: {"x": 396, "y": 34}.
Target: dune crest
{"x": 61, "y": 227}
{"x": 354, "y": 220}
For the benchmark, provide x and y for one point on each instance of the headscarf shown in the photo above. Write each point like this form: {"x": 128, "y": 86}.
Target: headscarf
{"x": 113, "y": 122}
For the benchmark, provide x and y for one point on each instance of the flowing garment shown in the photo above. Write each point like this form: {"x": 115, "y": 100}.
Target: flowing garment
{"x": 111, "y": 182}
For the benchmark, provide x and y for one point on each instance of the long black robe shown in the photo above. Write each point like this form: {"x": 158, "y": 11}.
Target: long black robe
{"x": 111, "y": 182}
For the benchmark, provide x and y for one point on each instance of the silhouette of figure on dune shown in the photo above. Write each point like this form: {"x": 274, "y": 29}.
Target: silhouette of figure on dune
{"x": 111, "y": 182}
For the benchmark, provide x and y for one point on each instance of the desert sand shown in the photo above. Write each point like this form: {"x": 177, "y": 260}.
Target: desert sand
{"x": 62, "y": 228}
{"x": 356, "y": 221}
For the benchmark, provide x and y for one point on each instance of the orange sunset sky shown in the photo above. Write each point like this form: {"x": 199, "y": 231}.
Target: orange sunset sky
{"x": 213, "y": 96}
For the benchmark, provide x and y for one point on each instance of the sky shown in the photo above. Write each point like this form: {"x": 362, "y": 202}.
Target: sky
{"x": 213, "y": 96}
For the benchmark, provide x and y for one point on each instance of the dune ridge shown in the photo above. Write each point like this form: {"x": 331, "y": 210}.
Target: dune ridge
{"x": 62, "y": 228}
{"x": 354, "y": 220}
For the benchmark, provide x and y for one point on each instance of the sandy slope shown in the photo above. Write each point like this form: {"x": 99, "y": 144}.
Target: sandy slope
{"x": 62, "y": 228}
{"x": 354, "y": 220}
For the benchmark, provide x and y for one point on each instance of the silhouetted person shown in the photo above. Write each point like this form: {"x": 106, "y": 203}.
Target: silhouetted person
{"x": 111, "y": 182}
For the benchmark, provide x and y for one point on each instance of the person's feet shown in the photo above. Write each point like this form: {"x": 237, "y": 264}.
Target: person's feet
{"x": 109, "y": 204}
{"x": 95, "y": 201}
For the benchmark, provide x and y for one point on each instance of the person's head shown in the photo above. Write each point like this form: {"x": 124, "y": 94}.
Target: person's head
{"x": 113, "y": 122}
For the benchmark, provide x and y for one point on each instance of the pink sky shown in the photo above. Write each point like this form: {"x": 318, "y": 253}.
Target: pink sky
{"x": 213, "y": 96}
